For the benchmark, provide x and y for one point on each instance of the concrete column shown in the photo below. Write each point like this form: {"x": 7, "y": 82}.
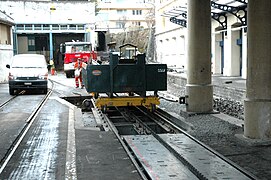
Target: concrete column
{"x": 258, "y": 97}
{"x": 199, "y": 91}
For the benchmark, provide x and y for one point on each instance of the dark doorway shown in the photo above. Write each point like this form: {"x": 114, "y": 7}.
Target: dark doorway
{"x": 41, "y": 43}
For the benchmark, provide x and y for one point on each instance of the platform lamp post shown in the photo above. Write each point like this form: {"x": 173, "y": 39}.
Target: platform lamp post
{"x": 52, "y": 9}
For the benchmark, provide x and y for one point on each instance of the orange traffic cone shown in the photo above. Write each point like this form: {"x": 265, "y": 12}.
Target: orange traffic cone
{"x": 52, "y": 71}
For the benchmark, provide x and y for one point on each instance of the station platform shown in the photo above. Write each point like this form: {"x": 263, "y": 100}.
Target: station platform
{"x": 99, "y": 155}
{"x": 223, "y": 86}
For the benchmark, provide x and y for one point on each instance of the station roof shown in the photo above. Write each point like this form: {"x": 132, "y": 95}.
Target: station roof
{"x": 182, "y": 8}
{"x": 233, "y": 3}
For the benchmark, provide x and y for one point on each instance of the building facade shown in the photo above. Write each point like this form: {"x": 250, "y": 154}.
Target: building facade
{"x": 6, "y": 45}
{"x": 170, "y": 37}
{"x": 229, "y": 41}
{"x": 124, "y": 15}
{"x": 41, "y": 26}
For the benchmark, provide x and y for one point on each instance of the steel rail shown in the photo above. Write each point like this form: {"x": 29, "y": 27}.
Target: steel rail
{"x": 6, "y": 102}
{"x": 127, "y": 114}
{"x": 115, "y": 131}
{"x": 9, "y": 100}
{"x": 158, "y": 114}
{"x": 173, "y": 151}
{"x": 24, "y": 131}
{"x": 161, "y": 114}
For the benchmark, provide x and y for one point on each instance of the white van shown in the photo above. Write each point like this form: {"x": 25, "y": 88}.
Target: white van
{"x": 28, "y": 71}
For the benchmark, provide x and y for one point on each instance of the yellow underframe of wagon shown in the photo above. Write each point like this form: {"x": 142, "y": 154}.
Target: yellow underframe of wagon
{"x": 127, "y": 101}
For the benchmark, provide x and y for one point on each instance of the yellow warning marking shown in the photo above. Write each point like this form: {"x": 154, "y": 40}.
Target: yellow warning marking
{"x": 127, "y": 101}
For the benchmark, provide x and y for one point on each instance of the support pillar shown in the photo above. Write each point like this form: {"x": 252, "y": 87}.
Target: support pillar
{"x": 199, "y": 91}
{"x": 258, "y": 98}
{"x": 51, "y": 45}
{"x": 15, "y": 42}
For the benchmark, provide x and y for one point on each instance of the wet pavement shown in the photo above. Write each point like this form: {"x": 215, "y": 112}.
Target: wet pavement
{"x": 13, "y": 116}
{"x": 41, "y": 154}
{"x": 58, "y": 145}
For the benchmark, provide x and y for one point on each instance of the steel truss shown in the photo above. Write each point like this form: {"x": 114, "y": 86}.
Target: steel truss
{"x": 239, "y": 12}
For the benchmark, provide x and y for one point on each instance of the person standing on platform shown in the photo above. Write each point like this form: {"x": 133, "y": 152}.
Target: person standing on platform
{"x": 78, "y": 73}
{"x": 52, "y": 66}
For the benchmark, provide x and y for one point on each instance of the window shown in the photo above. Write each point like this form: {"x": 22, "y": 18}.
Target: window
{"x": 137, "y": 12}
{"x": 121, "y": 11}
{"x": 31, "y": 43}
{"x": 137, "y": 23}
{"x": 63, "y": 27}
{"x": 55, "y": 27}
{"x": 46, "y": 27}
{"x": 37, "y": 26}
{"x": 72, "y": 27}
{"x": 20, "y": 27}
{"x": 120, "y": 25}
{"x": 80, "y": 27}
{"x": 28, "y": 27}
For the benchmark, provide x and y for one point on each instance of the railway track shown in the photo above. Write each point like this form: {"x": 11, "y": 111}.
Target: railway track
{"x": 7, "y": 101}
{"x": 160, "y": 149}
{"x": 28, "y": 123}
{"x": 10, "y": 99}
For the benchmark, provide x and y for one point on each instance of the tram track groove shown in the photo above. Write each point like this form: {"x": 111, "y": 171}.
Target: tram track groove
{"x": 30, "y": 120}
{"x": 10, "y": 99}
{"x": 7, "y": 102}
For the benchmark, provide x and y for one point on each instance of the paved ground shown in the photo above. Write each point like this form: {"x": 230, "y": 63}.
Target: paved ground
{"x": 58, "y": 146}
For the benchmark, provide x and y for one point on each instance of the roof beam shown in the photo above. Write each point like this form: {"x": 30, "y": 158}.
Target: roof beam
{"x": 239, "y": 12}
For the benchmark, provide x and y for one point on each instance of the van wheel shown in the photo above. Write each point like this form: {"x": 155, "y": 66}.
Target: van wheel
{"x": 11, "y": 91}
